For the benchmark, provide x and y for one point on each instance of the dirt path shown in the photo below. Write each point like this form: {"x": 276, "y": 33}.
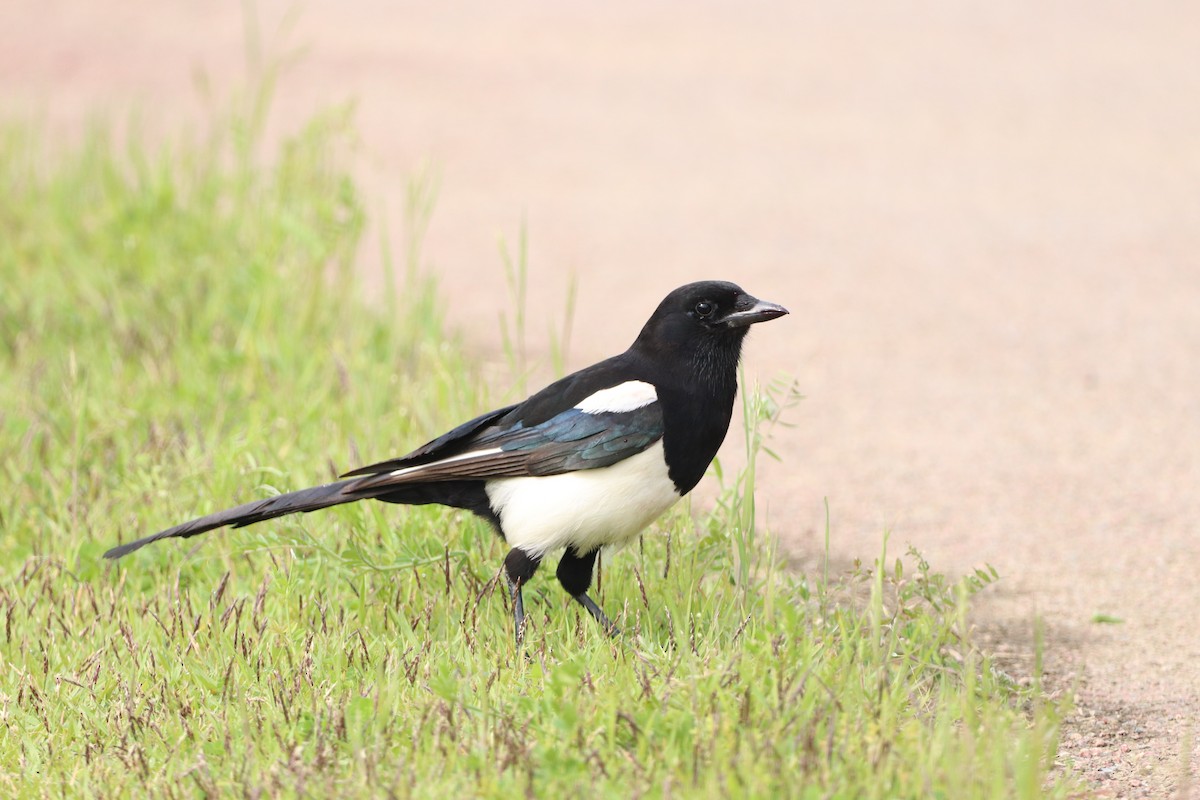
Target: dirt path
{"x": 985, "y": 218}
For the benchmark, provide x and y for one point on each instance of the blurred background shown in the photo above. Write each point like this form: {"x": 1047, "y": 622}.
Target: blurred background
{"x": 985, "y": 219}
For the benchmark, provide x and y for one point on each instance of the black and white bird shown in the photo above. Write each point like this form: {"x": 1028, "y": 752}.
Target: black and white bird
{"x": 587, "y": 462}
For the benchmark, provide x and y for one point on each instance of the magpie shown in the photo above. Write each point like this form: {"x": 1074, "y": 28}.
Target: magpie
{"x": 589, "y": 461}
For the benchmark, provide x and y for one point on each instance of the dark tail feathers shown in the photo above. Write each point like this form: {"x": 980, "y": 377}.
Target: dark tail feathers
{"x": 331, "y": 494}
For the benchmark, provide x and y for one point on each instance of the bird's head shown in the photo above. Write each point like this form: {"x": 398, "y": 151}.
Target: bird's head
{"x": 703, "y": 316}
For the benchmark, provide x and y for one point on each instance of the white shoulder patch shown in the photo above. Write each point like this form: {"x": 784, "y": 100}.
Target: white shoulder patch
{"x": 627, "y": 396}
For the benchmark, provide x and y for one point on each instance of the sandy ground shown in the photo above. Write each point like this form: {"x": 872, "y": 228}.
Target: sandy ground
{"x": 985, "y": 218}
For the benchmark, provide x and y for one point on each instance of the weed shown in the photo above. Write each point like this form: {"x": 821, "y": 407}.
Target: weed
{"x": 179, "y": 330}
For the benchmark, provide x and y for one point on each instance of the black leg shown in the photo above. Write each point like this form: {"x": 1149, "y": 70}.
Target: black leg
{"x": 575, "y": 575}
{"x": 519, "y": 567}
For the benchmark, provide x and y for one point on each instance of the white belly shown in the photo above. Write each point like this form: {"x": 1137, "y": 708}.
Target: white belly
{"x": 586, "y": 509}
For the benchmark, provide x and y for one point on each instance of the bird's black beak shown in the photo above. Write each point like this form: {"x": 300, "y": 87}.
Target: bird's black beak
{"x": 749, "y": 310}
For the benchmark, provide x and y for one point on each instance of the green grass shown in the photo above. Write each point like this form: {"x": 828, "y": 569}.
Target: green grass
{"x": 179, "y": 331}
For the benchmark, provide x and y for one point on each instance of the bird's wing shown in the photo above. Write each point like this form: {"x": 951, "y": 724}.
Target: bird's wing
{"x": 574, "y": 439}
{"x": 446, "y": 444}
{"x": 579, "y": 439}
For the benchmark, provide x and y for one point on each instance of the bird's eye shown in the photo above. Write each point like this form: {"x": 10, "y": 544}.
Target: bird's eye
{"x": 705, "y": 309}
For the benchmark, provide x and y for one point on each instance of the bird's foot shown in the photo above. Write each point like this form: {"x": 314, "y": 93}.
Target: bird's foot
{"x": 518, "y": 612}
{"x": 598, "y": 613}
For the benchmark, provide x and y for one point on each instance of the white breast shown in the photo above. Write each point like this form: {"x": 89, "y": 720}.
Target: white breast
{"x": 586, "y": 509}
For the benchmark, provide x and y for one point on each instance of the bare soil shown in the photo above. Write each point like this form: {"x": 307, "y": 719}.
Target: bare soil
{"x": 985, "y": 218}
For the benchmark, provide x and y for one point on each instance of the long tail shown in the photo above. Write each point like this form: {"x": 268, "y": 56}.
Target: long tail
{"x": 331, "y": 494}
